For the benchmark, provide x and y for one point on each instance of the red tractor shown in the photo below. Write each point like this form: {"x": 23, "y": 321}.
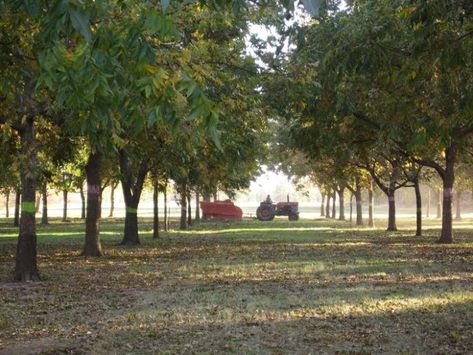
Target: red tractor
{"x": 267, "y": 210}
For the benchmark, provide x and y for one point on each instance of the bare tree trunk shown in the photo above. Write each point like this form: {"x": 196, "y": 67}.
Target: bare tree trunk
{"x": 44, "y": 216}
{"x": 334, "y": 208}
{"x": 132, "y": 185}
{"x": 113, "y": 186}
{"x": 7, "y": 204}
{"x": 16, "y": 218}
{"x": 189, "y": 208}
{"x": 392, "y": 211}
{"x": 155, "y": 208}
{"x": 458, "y": 196}
{"x": 418, "y": 209}
{"x": 351, "y": 207}
{"x": 38, "y": 202}
{"x": 370, "y": 205}
{"x": 427, "y": 213}
{"x": 82, "y": 199}
{"x": 341, "y": 207}
{"x": 183, "y": 224}
{"x": 322, "y": 206}
{"x": 26, "y": 268}
{"x": 446, "y": 235}
{"x": 359, "y": 205}
{"x": 64, "y": 209}
{"x": 197, "y": 205}
{"x": 166, "y": 214}
{"x": 93, "y": 245}
{"x": 327, "y": 206}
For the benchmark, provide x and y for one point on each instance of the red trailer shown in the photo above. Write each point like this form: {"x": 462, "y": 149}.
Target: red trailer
{"x": 224, "y": 210}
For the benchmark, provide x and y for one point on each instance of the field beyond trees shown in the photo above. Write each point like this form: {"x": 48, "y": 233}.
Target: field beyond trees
{"x": 247, "y": 287}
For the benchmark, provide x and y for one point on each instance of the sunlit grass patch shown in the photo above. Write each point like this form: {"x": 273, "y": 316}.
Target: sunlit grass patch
{"x": 244, "y": 287}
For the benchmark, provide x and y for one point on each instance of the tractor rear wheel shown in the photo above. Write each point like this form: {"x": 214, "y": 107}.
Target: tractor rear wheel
{"x": 265, "y": 213}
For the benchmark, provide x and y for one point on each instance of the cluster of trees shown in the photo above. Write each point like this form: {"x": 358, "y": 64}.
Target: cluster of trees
{"x": 379, "y": 93}
{"x": 152, "y": 92}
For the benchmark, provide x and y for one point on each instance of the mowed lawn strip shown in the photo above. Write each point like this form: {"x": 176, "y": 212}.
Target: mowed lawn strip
{"x": 248, "y": 287}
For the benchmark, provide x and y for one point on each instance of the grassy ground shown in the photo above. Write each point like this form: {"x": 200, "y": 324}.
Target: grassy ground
{"x": 249, "y": 287}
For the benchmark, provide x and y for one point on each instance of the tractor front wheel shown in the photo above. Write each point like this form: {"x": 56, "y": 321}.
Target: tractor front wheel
{"x": 294, "y": 217}
{"x": 265, "y": 213}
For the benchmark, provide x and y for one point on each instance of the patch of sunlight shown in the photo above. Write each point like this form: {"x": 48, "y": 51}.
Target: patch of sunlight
{"x": 246, "y": 230}
{"x": 55, "y": 234}
{"x": 214, "y": 308}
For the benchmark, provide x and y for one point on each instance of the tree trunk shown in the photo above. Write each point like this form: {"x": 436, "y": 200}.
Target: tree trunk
{"x": 197, "y": 205}
{"x": 64, "y": 209}
{"x": 418, "y": 209}
{"x": 26, "y": 268}
{"x": 130, "y": 236}
{"x": 44, "y": 216}
{"x": 92, "y": 245}
{"x": 16, "y": 218}
{"x": 458, "y": 196}
{"x": 166, "y": 214}
{"x": 392, "y": 211}
{"x": 132, "y": 187}
{"x": 82, "y": 199}
{"x": 38, "y": 202}
{"x": 215, "y": 196}
{"x": 327, "y": 206}
{"x": 341, "y": 207}
{"x": 370, "y": 205}
{"x": 7, "y": 204}
{"x": 113, "y": 186}
{"x": 351, "y": 207}
{"x": 155, "y": 209}
{"x": 446, "y": 235}
{"x": 427, "y": 213}
{"x": 358, "y": 203}
{"x": 189, "y": 208}
{"x": 322, "y": 206}
{"x": 183, "y": 224}
{"x": 439, "y": 203}
{"x": 334, "y": 204}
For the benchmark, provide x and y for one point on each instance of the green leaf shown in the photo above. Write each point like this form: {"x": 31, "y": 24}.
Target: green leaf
{"x": 81, "y": 22}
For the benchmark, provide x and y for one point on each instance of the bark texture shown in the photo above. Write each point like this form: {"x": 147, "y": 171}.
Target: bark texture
{"x": 82, "y": 199}
{"x": 155, "y": 208}
{"x": 16, "y": 217}
{"x": 183, "y": 222}
{"x": 189, "y": 208}
{"x": 7, "y": 204}
{"x": 132, "y": 187}
{"x": 44, "y": 193}
{"x": 446, "y": 236}
{"x": 418, "y": 209}
{"x": 322, "y": 206}
{"x": 26, "y": 268}
{"x": 113, "y": 186}
{"x": 64, "y": 207}
{"x": 197, "y": 205}
{"x": 341, "y": 207}
{"x": 93, "y": 245}
{"x": 334, "y": 204}
{"x": 370, "y": 205}
{"x": 391, "y": 211}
